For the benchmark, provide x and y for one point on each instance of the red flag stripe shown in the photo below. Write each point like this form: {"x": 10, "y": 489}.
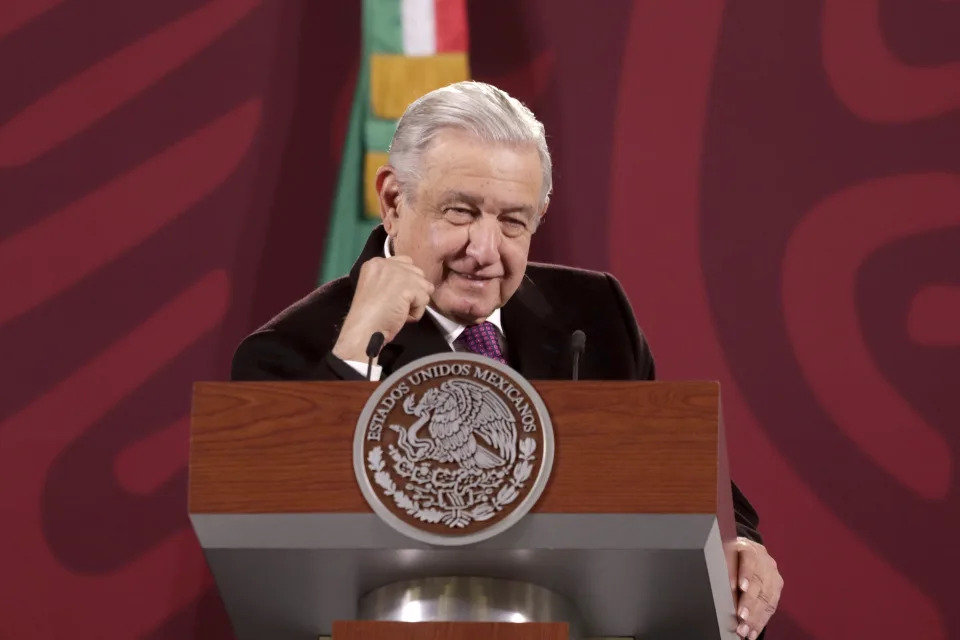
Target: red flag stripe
{"x": 452, "y": 33}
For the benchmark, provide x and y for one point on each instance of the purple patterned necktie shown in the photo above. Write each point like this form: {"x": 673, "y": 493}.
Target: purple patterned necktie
{"x": 482, "y": 339}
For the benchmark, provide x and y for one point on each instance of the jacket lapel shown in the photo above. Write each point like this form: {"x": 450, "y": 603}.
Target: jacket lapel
{"x": 372, "y": 249}
{"x": 536, "y": 343}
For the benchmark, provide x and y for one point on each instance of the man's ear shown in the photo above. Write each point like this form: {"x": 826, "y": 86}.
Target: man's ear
{"x": 543, "y": 212}
{"x": 388, "y": 193}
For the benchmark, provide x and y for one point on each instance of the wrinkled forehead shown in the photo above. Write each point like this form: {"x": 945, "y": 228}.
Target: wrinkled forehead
{"x": 501, "y": 174}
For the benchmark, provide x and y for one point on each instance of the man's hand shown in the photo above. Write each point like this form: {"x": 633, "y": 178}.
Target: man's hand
{"x": 390, "y": 292}
{"x": 759, "y": 584}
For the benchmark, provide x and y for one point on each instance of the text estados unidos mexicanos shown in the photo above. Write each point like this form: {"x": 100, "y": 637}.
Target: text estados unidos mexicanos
{"x": 492, "y": 378}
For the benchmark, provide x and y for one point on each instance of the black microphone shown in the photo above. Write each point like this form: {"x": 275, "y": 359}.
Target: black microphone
{"x": 373, "y": 350}
{"x": 578, "y": 342}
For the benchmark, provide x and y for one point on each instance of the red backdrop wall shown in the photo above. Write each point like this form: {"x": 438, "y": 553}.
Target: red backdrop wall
{"x": 775, "y": 183}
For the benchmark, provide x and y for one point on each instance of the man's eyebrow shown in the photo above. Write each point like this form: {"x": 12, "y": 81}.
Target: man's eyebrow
{"x": 462, "y": 196}
{"x": 520, "y": 208}
{"x": 478, "y": 201}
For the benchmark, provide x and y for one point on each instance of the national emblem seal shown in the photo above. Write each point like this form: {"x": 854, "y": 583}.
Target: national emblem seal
{"x": 453, "y": 449}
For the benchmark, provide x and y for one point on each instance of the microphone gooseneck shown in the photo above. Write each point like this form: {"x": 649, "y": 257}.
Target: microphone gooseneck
{"x": 373, "y": 350}
{"x": 578, "y": 342}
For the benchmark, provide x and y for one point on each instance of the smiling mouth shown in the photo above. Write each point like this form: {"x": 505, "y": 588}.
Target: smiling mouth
{"x": 473, "y": 278}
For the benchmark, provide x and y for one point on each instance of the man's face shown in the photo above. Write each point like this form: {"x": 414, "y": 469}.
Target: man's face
{"x": 468, "y": 226}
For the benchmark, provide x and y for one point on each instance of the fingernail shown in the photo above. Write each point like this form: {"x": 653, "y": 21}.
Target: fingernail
{"x": 743, "y": 630}
{"x": 744, "y": 585}
{"x": 754, "y": 634}
{"x": 744, "y": 613}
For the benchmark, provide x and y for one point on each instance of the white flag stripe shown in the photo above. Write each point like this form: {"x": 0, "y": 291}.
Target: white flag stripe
{"x": 419, "y": 28}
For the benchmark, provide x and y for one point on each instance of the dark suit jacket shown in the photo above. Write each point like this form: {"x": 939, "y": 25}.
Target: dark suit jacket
{"x": 537, "y": 322}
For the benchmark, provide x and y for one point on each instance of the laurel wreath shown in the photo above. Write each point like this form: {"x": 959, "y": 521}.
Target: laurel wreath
{"x": 456, "y": 518}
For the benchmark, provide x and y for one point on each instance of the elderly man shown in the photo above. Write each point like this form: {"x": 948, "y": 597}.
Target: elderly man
{"x": 467, "y": 184}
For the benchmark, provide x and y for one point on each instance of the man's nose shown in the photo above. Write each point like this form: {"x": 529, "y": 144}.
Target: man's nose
{"x": 483, "y": 244}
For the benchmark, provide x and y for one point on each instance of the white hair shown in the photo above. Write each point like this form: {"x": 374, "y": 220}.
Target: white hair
{"x": 482, "y": 110}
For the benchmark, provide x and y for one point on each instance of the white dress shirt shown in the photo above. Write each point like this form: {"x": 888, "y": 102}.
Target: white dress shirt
{"x": 451, "y": 329}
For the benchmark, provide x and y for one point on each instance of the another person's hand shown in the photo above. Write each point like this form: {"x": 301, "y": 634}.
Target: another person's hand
{"x": 759, "y": 585}
{"x": 390, "y": 292}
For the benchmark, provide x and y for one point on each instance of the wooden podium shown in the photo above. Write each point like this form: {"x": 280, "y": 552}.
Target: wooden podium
{"x": 634, "y": 528}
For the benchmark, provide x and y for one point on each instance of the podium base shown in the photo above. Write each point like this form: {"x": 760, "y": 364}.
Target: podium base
{"x": 469, "y": 599}
{"x": 352, "y": 630}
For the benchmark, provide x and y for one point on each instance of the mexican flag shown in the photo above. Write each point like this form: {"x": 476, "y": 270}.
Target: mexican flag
{"x": 410, "y": 47}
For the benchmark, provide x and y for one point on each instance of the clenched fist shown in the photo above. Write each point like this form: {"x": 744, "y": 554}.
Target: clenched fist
{"x": 390, "y": 292}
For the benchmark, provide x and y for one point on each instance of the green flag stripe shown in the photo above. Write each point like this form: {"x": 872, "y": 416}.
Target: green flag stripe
{"x": 348, "y": 229}
{"x": 379, "y": 133}
{"x": 382, "y": 26}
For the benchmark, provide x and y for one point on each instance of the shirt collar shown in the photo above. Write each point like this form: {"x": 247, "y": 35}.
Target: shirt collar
{"x": 451, "y": 328}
